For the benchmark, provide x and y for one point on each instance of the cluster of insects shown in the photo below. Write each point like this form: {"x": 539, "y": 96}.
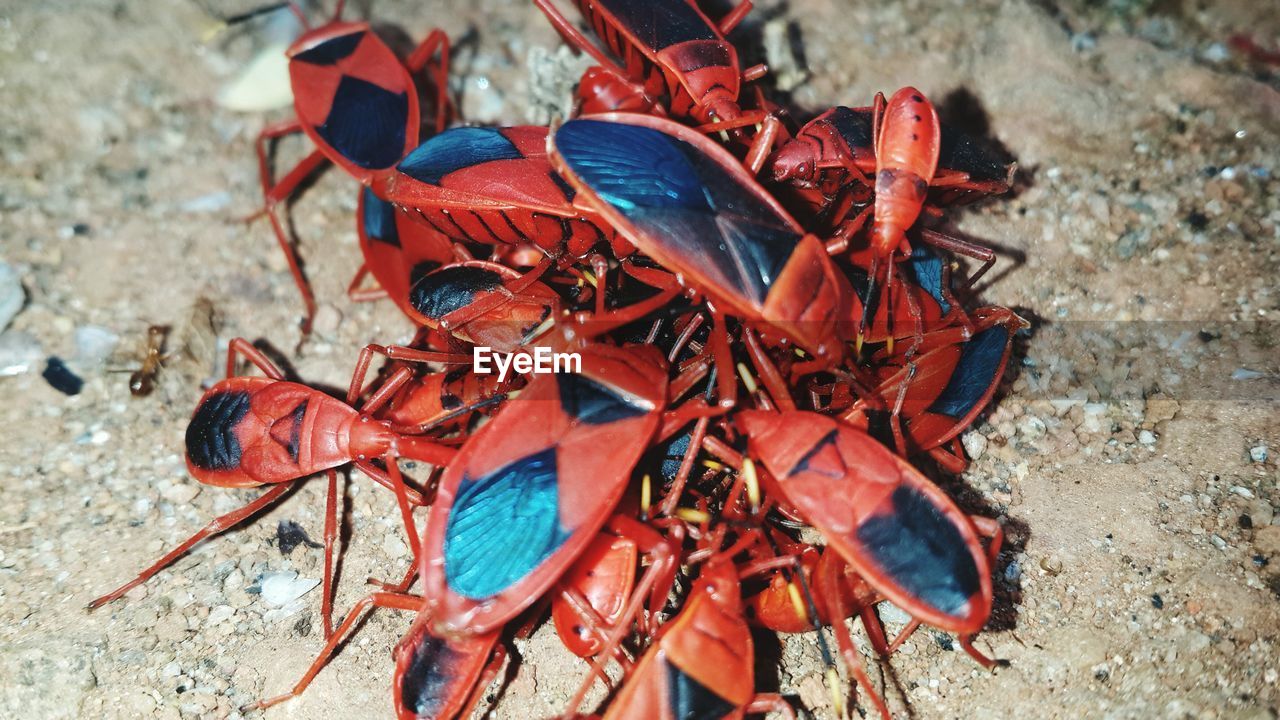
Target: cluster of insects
{"x": 771, "y": 346}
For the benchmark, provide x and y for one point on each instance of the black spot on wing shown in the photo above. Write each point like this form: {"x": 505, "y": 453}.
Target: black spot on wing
{"x": 824, "y": 458}
{"x": 287, "y": 430}
{"x": 366, "y": 123}
{"x": 565, "y": 187}
{"x": 429, "y": 678}
{"x": 927, "y": 269}
{"x": 974, "y": 373}
{"x": 853, "y": 126}
{"x": 211, "y": 437}
{"x": 921, "y": 551}
{"x": 444, "y": 291}
{"x": 455, "y": 149}
{"x": 594, "y": 404}
{"x": 658, "y": 24}
{"x": 379, "y": 219}
{"x": 691, "y": 700}
{"x": 503, "y": 525}
{"x": 332, "y": 50}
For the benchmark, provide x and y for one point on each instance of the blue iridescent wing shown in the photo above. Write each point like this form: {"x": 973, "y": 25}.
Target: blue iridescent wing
{"x": 681, "y": 203}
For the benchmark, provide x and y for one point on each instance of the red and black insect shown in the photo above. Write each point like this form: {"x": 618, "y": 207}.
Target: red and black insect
{"x": 496, "y": 186}
{"x": 672, "y": 55}
{"x": 835, "y": 153}
{"x": 702, "y": 664}
{"x": 688, "y": 204}
{"x": 897, "y": 529}
{"x": 923, "y": 404}
{"x": 530, "y": 490}
{"x": 358, "y": 103}
{"x": 253, "y": 431}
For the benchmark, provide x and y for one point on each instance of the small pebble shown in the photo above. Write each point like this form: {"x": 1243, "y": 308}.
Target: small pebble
{"x": 1146, "y": 437}
{"x": 1258, "y": 453}
{"x": 19, "y": 352}
{"x": 975, "y": 444}
{"x": 211, "y": 203}
{"x": 94, "y": 344}
{"x": 891, "y": 613}
{"x": 60, "y": 377}
{"x": 283, "y": 587}
{"x": 1243, "y": 492}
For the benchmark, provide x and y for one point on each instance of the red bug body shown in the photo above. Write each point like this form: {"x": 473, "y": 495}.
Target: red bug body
{"x": 505, "y": 326}
{"x": 529, "y": 490}
{"x": 896, "y": 528}
{"x": 836, "y": 151}
{"x": 907, "y": 148}
{"x": 495, "y": 186}
{"x": 342, "y": 74}
{"x": 689, "y": 204}
{"x": 702, "y": 663}
{"x": 442, "y": 678}
{"x": 357, "y": 102}
{"x": 669, "y": 48}
{"x": 936, "y": 395}
{"x": 397, "y": 250}
{"x": 250, "y": 431}
{"x": 594, "y": 594}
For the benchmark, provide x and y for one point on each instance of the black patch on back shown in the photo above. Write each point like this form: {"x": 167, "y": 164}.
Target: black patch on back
{"x": 366, "y": 123}
{"x": 211, "y": 437}
{"x": 452, "y": 150}
{"x": 880, "y": 428}
{"x": 594, "y": 404}
{"x": 921, "y": 551}
{"x": 440, "y": 293}
{"x": 332, "y": 50}
{"x": 974, "y": 374}
{"x": 565, "y": 187}
{"x": 691, "y": 700}
{"x": 427, "y": 679}
{"x": 828, "y": 442}
{"x": 659, "y": 24}
{"x": 295, "y": 431}
{"x": 421, "y": 270}
{"x": 854, "y": 127}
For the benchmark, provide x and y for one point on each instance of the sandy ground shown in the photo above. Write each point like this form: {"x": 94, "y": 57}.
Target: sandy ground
{"x": 1136, "y": 478}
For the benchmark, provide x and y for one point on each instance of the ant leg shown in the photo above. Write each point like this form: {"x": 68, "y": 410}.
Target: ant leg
{"x": 950, "y": 457}
{"x": 218, "y": 525}
{"x": 377, "y": 599}
{"x": 242, "y": 347}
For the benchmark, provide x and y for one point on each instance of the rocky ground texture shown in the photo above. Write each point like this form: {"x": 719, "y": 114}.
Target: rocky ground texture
{"x": 1132, "y": 455}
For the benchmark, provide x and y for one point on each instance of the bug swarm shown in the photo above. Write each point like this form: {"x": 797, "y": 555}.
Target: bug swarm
{"x": 775, "y": 353}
